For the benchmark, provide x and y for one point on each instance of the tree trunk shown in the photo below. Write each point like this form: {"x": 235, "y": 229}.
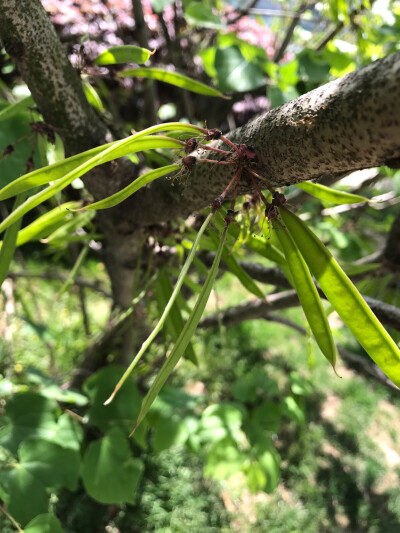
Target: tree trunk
{"x": 348, "y": 124}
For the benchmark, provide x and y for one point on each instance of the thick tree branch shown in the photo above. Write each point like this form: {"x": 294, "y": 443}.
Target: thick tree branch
{"x": 254, "y": 308}
{"x": 348, "y": 124}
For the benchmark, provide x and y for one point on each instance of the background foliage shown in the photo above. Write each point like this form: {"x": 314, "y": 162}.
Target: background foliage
{"x": 259, "y": 434}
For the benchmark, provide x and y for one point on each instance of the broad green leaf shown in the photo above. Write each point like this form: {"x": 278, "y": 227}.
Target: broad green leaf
{"x": 45, "y": 223}
{"x": 164, "y": 316}
{"x": 235, "y": 73}
{"x": 44, "y": 523}
{"x": 50, "y": 463}
{"x": 224, "y": 459}
{"x": 29, "y": 414}
{"x": 110, "y": 474}
{"x": 185, "y": 336}
{"x": 69, "y": 433}
{"x": 199, "y": 14}
{"x": 345, "y": 298}
{"x": 61, "y": 168}
{"x": 308, "y": 296}
{"x": 123, "y": 411}
{"x": 13, "y": 109}
{"x": 327, "y": 194}
{"x": 140, "y": 182}
{"x": 123, "y": 54}
{"x": 173, "y": 78}
{"x": 269, "y": 461}
{"x": 168, "y": 432}
{"x": 255, "y": 477}
{"x": 24, "y": 495}
{"x": 10, "y": 242}
{"x": 220, "y": 421}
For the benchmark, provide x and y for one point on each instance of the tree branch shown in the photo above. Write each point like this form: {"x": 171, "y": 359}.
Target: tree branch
{"x": 254, "y": 308}
{"x": 346, "y": 125}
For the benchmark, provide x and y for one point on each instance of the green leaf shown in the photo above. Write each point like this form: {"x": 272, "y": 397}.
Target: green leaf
{"x": 224, "y": 460}
{"x": 93, "y": 96}
{"x": 345, "y": 298}
{"x": 308, "y": 296}
{"x": 29, "y": 414}
{"x": 173, "y": 78}
{"x": 269, "y": 461}
{"x": 185, "y": 336}
{"x": 9, "y": 242}
{"x": 25, "y": 496}
{"x": 69, "y": 433}
{"x": 117, "y": 149}
{"x": 220, "y": 421}
{"x": 167, "y": 309}
{"x": 110, "y": 474}
{"x": 244, "y": 278}
{"x": 61, "y": 168}
{"x": 169, "y": 432}
{"x": 123, "y": 54}
{"x": 140, "y": 182}
{"x": 174, "y": 322}
{"x": 159, "y": 5}
{"x": 123, "y": 411}
{"x": 327, "y": 194}
{"x": 235, "y": 73}
{"x": 255, "y": 477}
{"x": 13, "y": 109}
{"x": 201, "y": 15}
{"x": 44, "y": 224}
{"x": 44, "y": 523}
{"x": 50, "y": 463}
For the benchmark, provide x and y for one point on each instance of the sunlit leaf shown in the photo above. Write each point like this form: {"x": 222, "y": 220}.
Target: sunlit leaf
{"x": 140, "y": 182}
{"x": 93, "y": 96}
{"x": 345, "y": 298}
{"x": 308, "y": 296}
{"x": 200, "y": 14}
{"x": 45, "y": 223}
{"x": 184, "y": 338}
{"x": 61, "y": 168}
{"x": 9, "y": 242}
{"x": 44, "y": 523}
{"x": 173, "y": 78}
{"x": 164, "y": 316}
{"x": 327, "y": 194}
{"x": 13, "y": 109}
{"x": 235, "y": 73}
{"x": 123, "y": 54}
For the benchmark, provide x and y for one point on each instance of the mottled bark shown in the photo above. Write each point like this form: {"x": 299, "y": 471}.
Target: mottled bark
{"x": 346, "y": 125}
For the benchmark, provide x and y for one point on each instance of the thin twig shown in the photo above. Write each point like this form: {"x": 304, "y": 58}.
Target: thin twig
{"x": 367, "y": 366}
{"x": 60, "y": 276}
{"x": 289, "y": 33}
{"x": 252, "y": 309}
{"x": 11, "y": 519}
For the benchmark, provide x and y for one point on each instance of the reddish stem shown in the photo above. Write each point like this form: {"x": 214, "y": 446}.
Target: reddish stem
{"x": 214, "y": 162}
{"x": 269, "y": 187}
{"x": 259, "y": 190}
{"x": 235, "y": 177}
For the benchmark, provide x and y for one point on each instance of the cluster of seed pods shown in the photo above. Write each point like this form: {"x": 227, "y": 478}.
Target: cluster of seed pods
{"x": 241, "y": 158}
